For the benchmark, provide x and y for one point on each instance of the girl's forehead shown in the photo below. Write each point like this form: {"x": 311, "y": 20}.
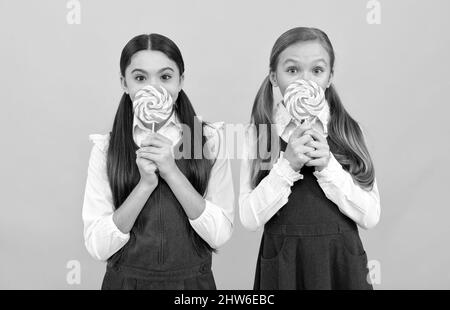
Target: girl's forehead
{"x": 151, "y": 61}
{"x": 305, "y": 52}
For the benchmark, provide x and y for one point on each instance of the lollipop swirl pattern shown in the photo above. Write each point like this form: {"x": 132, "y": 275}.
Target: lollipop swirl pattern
{"x": 151, "y": 105}
{"x": 304, "y": 100}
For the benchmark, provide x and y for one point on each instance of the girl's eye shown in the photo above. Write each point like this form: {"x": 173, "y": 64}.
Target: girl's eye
{"x": 292, "y": 70}
{"x": 139, "y": 78}
{"x": 166, "y": 77}
{"x": 318, "y": 70}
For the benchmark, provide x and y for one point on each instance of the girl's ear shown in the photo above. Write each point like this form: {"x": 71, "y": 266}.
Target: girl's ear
{"x": 273, "y": 79}
{"x": 181, "y": 82}
{"x": 124, "y": 84}
{"x": 330, "y": 80}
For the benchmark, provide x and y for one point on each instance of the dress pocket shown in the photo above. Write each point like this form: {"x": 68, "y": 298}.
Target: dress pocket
{"x": 352, "y": 245}
{"x": 273, "y": 246}
{"x": 350, "y": 263}
{"x": 270, "y": 261}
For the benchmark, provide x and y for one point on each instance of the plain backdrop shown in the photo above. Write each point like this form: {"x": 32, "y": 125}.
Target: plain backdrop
{"x": 60, "y": 83}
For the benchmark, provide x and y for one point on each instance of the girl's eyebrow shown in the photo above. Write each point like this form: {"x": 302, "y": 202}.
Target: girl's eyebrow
{"x": 140, "y": 70}
{"x": 321, "y": 60}
{"x": 166, "y": 68}
{"x": 290, "y": 60}
{"x": 159, "y": 71}
{"x": 295, "y": 61}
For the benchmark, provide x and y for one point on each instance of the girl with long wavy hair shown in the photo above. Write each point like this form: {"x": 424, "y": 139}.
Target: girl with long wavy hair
{"x": 309, "y": 184}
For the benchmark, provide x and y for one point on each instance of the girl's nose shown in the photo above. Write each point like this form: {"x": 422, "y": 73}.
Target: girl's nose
{"x": 305, "y": 76}
{"x": 153, "y": 81}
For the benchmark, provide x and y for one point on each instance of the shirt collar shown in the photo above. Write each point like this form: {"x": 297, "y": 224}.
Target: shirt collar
{"x": 284, "y": 120}
{"x": 171, "y": 129}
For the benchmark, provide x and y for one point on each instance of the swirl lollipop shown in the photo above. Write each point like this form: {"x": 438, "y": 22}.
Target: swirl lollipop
{"x": 152, "y": 106}
{"x": 304, "y": 100}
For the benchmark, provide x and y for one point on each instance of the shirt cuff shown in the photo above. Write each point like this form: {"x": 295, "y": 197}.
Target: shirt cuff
{"x": 332, "y": 169}
{"x": 201, "y": 218}
{"x": 113, "y": 227}
{"x": 284, "y": 170}
{"x": 209, "y": 226}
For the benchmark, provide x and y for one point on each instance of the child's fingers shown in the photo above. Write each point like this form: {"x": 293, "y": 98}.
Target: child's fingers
{"x": 154, "y": 138}
{"x": 317, "y": 145}
{"x": 318, "y": 154}
{"x": 153, "y": 141}
{"x": 316, "y": 135}
{"x": 149, "y": 149}
{"x": 152, "y": 157}
{"x": 299, "y": 130}
{"x": 147, "y": 163}
{"x": 316, "y": 162}
{"x": 302, "y": 140}
{"x": 302, "y": 149}
{"x": 304, "y": 158}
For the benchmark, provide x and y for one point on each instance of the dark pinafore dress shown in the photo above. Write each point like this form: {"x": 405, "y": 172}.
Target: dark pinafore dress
{"x": 160, "y": 253}
{"x": 310, "y": 244}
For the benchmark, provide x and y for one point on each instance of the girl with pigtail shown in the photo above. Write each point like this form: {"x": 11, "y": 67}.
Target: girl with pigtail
{"x": 153, "y": 218}
{"x": 318, "y": 183}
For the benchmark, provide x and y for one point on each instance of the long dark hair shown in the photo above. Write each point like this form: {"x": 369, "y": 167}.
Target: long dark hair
{"x": 123, "y": 173}
{"x": 344, "y": 134}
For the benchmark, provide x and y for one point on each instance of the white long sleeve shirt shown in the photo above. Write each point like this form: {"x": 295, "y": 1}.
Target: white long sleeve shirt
{"x": 258, "y": 205}
{"x": 215, "y": 224}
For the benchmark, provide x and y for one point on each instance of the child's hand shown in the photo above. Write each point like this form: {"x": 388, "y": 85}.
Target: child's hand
{"x": 158, "y": 149}
{"x": 321, "y": 155}
{"x": 147, "y": 170}
{"x": 297, "y": 147}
